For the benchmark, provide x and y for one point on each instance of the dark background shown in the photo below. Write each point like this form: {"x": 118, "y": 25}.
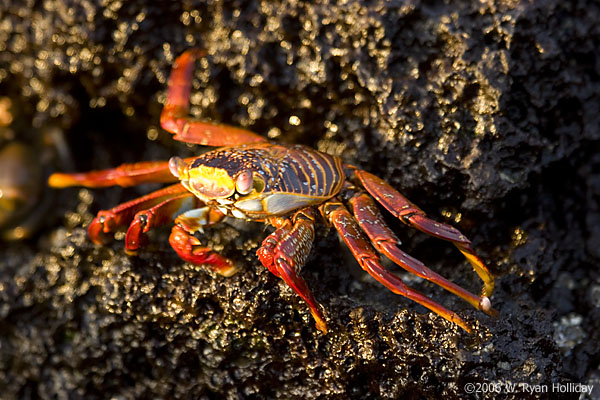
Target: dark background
{"x": 486, "y": 114}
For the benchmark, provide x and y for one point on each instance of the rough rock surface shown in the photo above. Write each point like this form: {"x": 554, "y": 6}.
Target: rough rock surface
{"x": 486, "y": 114}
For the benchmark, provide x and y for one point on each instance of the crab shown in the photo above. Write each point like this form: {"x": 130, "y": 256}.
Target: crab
{"x": 285, "y": 186}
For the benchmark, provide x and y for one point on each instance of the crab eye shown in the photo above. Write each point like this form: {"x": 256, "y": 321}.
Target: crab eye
{"x": 177, "y": 166}
{"x": 244, "y": 182}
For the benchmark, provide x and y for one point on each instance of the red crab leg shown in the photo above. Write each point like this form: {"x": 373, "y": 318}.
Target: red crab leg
{"x": 188, "y": 247}
{"x": 412, "y": 215}
{"x": 175, "y": 119}
{"x": 108, "y": 221}
{"x": 351, "y": 233}
{"x": 371, "y": 221}
{"x": 124, "y": 175}
{"x": 285, "y": 251}
{"x": 158, "y": 215}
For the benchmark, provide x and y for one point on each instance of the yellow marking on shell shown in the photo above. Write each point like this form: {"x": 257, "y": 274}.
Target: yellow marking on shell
{"x": 212, "y": 182}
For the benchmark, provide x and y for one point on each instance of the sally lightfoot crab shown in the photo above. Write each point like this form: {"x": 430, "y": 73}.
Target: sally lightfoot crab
{"x": 286, "y": 186}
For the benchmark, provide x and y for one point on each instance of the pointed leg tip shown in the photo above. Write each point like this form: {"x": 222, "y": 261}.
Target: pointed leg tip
{"x": 323, "y": 328}
{"x": 486, "y": 306}
{"x": 485, "y": 303}
{"x": 456, "y": 320}
{"x": 320, "y": 323}
{"x": 464, "y": 326}
{"x": 60, "y": 180}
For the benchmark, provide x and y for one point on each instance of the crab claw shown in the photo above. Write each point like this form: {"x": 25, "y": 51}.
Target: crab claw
{"x": 188, "y": 247}
{"x": 136, "y": 237}
{"x": 100, "y": 227}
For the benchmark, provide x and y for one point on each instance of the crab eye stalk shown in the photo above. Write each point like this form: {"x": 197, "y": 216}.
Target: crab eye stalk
{"x": 244, "y": 182}
{"x": 178, "y": 167}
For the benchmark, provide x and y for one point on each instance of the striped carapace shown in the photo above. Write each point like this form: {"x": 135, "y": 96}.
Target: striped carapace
{"x": 282, "y": 185}
{"x": 284, "y": 179}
